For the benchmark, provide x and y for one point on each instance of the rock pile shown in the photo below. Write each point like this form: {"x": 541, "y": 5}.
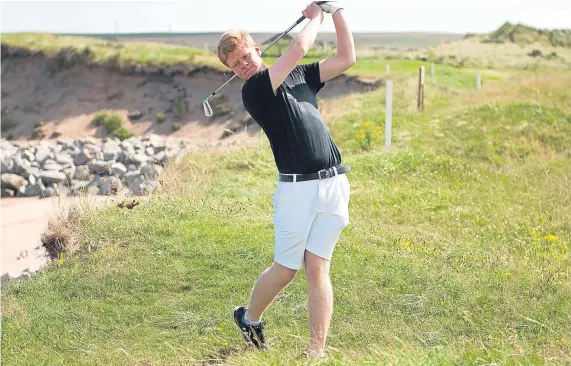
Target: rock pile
{"x": 86, "y": 166}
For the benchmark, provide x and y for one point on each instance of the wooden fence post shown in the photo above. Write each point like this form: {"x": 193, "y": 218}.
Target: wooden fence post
{"x": 389, "y": 115}
{"x": 421, "y": 89}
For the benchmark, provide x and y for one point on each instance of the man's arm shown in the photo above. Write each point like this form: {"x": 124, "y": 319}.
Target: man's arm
{"x": 298, "y": 48}
{"x": 345, "y": 58}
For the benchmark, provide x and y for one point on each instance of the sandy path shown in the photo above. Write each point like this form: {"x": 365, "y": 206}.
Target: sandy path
{"x": 23, "y": 222}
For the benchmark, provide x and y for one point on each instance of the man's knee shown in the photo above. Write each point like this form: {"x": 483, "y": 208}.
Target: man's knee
{"x": 316, "y": 268}
{"x": 284, "y": 274}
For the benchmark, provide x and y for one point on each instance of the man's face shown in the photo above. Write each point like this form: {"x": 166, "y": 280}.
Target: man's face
{"x": 245, "y": 61}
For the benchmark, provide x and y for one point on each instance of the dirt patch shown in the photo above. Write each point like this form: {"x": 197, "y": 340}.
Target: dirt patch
{"x": 60, "y": 95}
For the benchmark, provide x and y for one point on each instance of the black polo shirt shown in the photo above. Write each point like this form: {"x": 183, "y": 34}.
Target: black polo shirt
{"x": 291, "y": 120}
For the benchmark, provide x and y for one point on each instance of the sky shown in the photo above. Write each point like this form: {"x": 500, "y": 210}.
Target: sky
{"x": 454, "y": 16}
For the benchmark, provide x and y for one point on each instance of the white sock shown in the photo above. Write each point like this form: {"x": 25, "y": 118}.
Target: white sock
{"x": 248, "y": 321}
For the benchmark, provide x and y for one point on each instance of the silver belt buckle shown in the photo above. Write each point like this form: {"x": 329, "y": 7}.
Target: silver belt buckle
{"x": 326, "y": 171}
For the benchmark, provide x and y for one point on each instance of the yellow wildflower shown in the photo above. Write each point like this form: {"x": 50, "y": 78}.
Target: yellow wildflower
{"x": 534, "y": 233}
{"x": 111, "y": 250}
{"x": 550, "y": 237}
{"x": 406, "y": 244}
{"x": 60, "y": 259}
{"x": 367, "y": 124}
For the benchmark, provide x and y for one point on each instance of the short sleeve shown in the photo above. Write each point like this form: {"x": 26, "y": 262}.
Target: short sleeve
{"x": 312, "y": 76}
{"x": 257, "y": 89}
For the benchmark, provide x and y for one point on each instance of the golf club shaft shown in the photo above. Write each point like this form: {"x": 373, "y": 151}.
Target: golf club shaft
{"x": 277, "y": 39}
{"x": 271, "y": 44}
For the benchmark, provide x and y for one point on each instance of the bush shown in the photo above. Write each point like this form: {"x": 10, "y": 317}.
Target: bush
{"x": 113, "y": 123}
{"x": 160, "y": 117}
{"x": 99, "y": 119}
{"x": 122, "y": 133}
{"x": 176, "y": 127}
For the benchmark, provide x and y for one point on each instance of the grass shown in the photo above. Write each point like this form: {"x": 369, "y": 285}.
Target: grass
{"x": 113, "y": 125}
{"x": 102, "y": 51}
{"x": 458, "y": 250}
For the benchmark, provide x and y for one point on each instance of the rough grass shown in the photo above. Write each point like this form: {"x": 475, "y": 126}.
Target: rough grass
{"x": 102, "y": 51}
{"x": 458, "y": 250}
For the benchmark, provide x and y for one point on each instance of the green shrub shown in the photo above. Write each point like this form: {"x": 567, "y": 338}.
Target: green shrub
{"x": 160, "y": 117}
{"x": 113, "y": 123}
{"x": 176, "y": 127}
{"x": 122, "y": 133}
{"x": 99, "y": 118}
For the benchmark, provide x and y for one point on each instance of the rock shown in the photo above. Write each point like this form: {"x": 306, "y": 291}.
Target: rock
{"x": 139, "y": 159}
{"x": 49, "y": 177}
{"x": 84, "y": 157}
{"x": 69, "y": 173}
{"x": 53, "y": 167}
{"x": 78, "y": 188}
{"x": 7, "y": 192}
{"x": 109, "y": 185}
{"x": 12, "y": 181}
{"x": 35, "y": 164}
{"x": 20, "y": 164}
{"x": 149, "y": 151}
{"x": 30, "y": 171}
{"x": 159, "y": 149}
{"x": 64, "y": 159}
{"x": 161, "y": 158}
{"x": 130, "y": 176}
{"x": 31, "y": 190}
{"x": 93, "y": 190}
{"x": 138, "y": 187}
{"x": 82, "y": 172}
{"x": 43, "y": 155}
{"x": 118, "y": 169}
{"x": 28, "y": 155}
{"x": 132, "y": 167}
{"x": 7, "y": 166}
{"x": 49, "y": 192}
{"x": 135, "y": 115}
{"x": 151, "y": 172}
{"x": 110, "y": 155}
{"x": 100, "y": 167}
{"x": 49, "y": 161}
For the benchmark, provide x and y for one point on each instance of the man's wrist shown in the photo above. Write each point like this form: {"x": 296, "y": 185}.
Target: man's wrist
{"x": 337, "y": 12}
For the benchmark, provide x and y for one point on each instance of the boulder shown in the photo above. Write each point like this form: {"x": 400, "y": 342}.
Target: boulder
{"x": 12, "y": 181}
{"x": 82, "y": 172}
{"x": 50, "y": 177}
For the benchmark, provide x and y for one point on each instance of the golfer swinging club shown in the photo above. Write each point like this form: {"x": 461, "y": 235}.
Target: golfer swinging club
{"x": 312, "y": 196}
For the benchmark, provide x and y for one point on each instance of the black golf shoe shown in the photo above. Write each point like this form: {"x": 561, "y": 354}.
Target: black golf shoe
{"x": 252, "y": 334}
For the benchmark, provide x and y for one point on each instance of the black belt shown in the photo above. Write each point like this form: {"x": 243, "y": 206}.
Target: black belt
{"x": 322, "y": 174}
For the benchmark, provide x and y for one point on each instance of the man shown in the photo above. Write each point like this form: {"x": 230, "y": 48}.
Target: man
{"x": 312, "y": 196}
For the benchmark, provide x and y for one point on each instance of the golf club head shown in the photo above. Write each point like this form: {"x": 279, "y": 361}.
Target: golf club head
{"x": 207, "y": 109}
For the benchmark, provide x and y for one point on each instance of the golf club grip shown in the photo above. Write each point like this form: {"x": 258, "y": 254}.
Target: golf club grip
{"x": 302, "y": 18}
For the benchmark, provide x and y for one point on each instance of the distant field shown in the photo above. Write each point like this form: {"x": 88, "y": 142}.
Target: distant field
{"x": 363, "y": 41}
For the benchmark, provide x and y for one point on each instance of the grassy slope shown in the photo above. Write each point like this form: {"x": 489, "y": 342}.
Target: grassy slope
{"x": 143, "y": 53}
{"x": 457, "y": 252}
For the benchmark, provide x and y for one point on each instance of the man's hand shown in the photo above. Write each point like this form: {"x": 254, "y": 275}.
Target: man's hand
{"x": 313, "y": 11}
{"x": 330, "y": 7}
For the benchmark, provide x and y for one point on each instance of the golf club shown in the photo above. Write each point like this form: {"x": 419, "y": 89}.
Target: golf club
{"x": 206, "y": 104}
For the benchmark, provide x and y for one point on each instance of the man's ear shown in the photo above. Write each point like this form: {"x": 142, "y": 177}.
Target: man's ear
{"x": 258, "y": 50}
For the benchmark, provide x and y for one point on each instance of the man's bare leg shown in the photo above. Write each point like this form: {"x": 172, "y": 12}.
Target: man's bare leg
{"x": 267, "y": 287}
{"x": 320, "y": 299}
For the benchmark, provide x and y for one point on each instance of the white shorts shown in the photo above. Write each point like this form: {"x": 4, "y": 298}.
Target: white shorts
{"x": 310, "y": 216}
